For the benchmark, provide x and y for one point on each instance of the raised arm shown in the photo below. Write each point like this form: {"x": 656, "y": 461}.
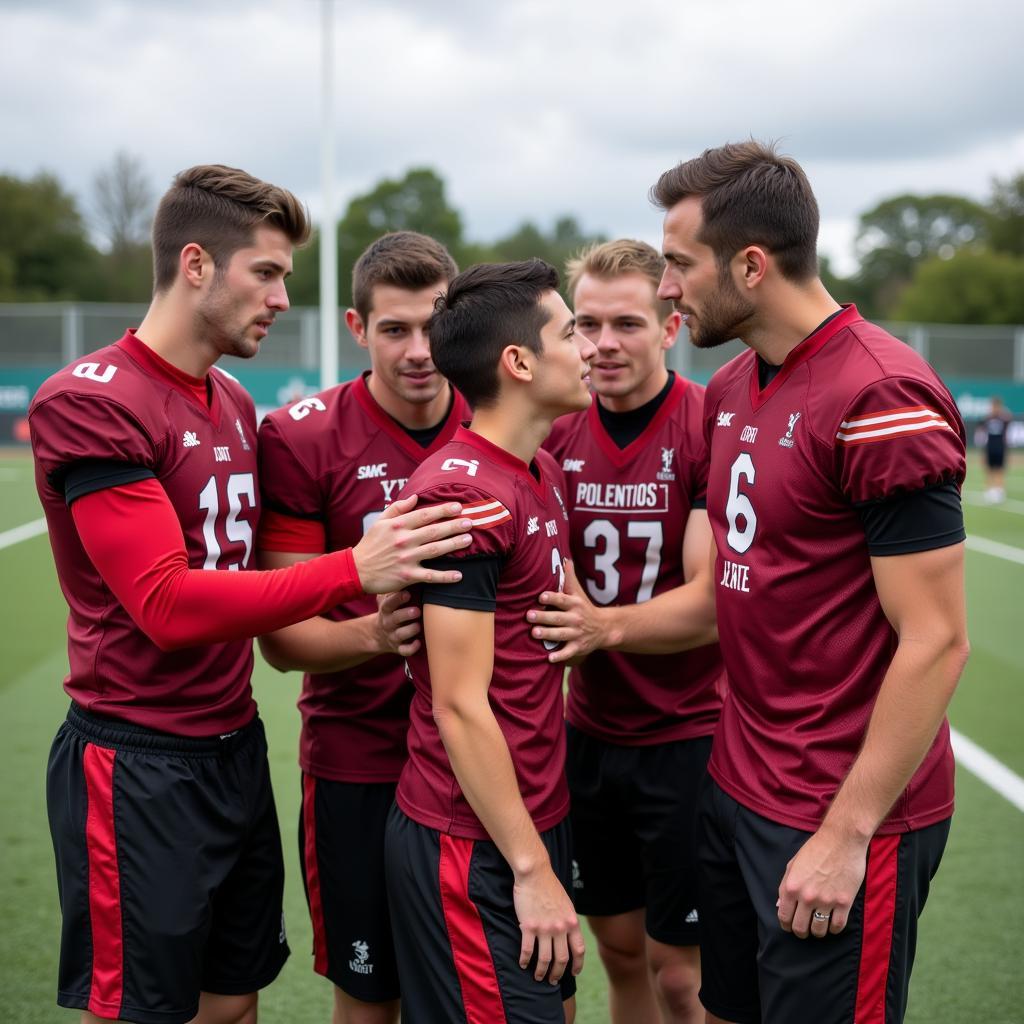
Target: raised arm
{"x": 677, "y": 620}
{"x": 134, "y": 539}
{"x": 320, "y": 644}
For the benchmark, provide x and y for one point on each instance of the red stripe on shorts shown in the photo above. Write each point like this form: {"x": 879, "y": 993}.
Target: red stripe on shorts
{"x": 474, "y": 967}
{"x": 107, "y": 984}
{"x": 876, "y": 940}
{"x": 316, "y": 903}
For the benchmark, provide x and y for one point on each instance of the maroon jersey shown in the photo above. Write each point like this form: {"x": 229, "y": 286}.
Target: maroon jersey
{"x": 523, "y": 521}
{"x": 627, "y": 512}
{"x": 338, "y": 458}
{"x": 853, "y": 416}
{"x": 121, "y": 404}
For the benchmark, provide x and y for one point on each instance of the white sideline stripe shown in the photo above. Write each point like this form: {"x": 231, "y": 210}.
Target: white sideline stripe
{"x": 1009, "y": 505}
{"x": 995, "y": 549}
{"x": 23, "y": 532}
{"x": 993, "y": 773}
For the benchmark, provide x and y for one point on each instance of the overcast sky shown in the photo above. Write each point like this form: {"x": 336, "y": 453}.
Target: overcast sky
{"x": 528, "y": 109}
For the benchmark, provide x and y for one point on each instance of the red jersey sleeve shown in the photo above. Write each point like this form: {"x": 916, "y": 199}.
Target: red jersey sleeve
{"x": 70, "y": 427}
{"x": 494, "y": 528}
{"x": 897, "y": 436}
{"x": 134, "y": 539}
{"x": 286, "y": 484}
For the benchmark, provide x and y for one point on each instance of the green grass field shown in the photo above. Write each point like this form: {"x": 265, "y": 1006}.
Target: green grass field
{"x": 969, "y": 956}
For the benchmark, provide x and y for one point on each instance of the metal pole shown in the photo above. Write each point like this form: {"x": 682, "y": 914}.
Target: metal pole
{"x": 328, "y": 224}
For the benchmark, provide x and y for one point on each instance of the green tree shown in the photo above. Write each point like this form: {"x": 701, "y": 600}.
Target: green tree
{"x": 564, "y": 241}
{"x": 1006, "y": 216}
{"x": 900, "y": 233}
{"x": 974, "y": 287}
{"x": 415, "y": 202}
{"x": 45, "y": 253}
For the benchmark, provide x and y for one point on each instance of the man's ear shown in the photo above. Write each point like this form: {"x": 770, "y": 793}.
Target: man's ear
{"x": 356, "y": 327}
{"x": 517, "y": 362}
{"x": 752, "y": 265}
{"x": 195, "y": 264}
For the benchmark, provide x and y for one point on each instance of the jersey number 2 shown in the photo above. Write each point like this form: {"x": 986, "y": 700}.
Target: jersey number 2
{"x": 238, "y": 531}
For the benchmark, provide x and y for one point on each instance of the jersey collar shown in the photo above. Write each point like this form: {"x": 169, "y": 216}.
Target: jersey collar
{"x": 499, "y": 456}
{"x": 194, "y": 389}
{"x": 622, "y": 456}
{"x": 807, "y": 349}
{"x": 394, "y": 429}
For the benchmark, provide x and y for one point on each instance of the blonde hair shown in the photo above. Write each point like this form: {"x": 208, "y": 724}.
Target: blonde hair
{"x": 607, "y": 260}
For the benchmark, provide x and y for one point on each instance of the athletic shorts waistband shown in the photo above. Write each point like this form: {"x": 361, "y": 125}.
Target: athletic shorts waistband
{"x": 116, "y": 732}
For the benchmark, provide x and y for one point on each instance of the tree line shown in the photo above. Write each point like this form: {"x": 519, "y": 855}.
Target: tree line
{"x": 939, "y": 258}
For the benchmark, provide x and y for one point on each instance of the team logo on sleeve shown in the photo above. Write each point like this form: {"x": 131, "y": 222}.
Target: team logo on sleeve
{"x": 787, "y": 439}
{"x": 469, "y": 465}
{"x": 486, "y": 513}
{"x": 889, "y": 423}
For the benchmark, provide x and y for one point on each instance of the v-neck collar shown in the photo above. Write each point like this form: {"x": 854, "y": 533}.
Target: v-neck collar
{"x": 394, "y": 429}
{"x": 622, "y": 456}
{"x": 806, "y": 350}
{"x": 184, "y": 383}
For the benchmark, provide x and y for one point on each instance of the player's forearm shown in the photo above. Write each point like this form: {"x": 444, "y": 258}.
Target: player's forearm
{"x": 323, "y": 645}
{"x": 678, "y": 620}
{"x": 910, "y": 707}
{"x": 482, "y": 765}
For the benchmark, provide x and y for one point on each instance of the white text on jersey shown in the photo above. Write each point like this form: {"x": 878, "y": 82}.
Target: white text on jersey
{"x": 221, "y": 453}
{"x": 573, "y": 465}
{"x": 725, "y": 419}
{"x": 470, "y": 466}
{"x": 372, "y": 472}
{"x": 735, "y": 577}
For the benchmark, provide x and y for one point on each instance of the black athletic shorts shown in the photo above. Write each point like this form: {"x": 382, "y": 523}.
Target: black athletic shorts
{"x": 456, "y": 931}
{"x": 341, "y": 849}
{"x": 995, "y": 453}
{"x": 169, "y": 868}
{"x": 634, "y": 830}
{"x": 753, "y": 971}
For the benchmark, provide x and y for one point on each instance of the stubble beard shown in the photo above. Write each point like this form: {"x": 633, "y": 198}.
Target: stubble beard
{"x": 725, "y": 313}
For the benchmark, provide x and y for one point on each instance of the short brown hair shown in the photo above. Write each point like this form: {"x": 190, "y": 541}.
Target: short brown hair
{"x": 749, "y": 196}
{"x": 487, "y": 308}
{"x": 219, "y": 208}
{"x": 403, "y": 259}
{"x": 607, "y": 260}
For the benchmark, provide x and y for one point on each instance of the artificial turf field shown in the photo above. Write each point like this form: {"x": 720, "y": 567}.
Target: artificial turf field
{"x": 969, "y": 965}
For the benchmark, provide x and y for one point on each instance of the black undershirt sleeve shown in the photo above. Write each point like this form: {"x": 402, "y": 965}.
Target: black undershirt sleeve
{"x": 918, "y": 521}
{"x": 82, "y": 478}
{"x": 477, "y": 590}
{"x": 699, "y": 503}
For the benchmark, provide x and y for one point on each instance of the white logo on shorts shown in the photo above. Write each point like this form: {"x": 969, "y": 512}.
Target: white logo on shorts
{"x": 361, "y": 964}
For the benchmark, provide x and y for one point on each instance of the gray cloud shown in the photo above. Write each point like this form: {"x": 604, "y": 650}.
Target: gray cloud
{"x": 527, "y": 109}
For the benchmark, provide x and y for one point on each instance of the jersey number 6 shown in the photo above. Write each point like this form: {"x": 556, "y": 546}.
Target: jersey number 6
{"x": 739, "y": 507}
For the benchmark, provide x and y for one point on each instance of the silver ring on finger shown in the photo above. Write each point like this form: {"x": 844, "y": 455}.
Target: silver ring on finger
{"x": 819, "y": 916}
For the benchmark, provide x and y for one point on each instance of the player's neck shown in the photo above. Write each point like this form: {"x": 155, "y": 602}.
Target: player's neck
{"x": 641, "y": 395}
{"x": 412, "y": 416}
{"x": 520, "y": 435}
{"x": 786, "y": 318}
{"x": 168, "y": 330}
